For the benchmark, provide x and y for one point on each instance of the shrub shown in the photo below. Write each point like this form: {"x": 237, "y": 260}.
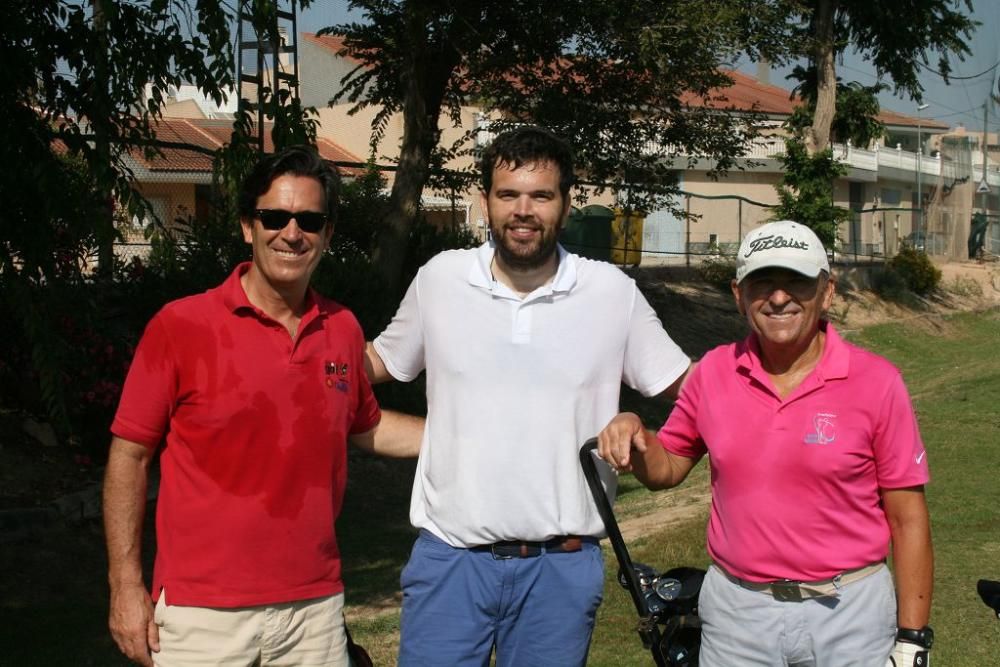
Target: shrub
{"x": 718, "y": 271}
{"x": 916, "y": 270}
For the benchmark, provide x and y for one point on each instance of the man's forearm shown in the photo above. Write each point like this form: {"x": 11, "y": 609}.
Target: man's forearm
{"x": 913, "y": 562}
{"x": 656, "y": 468}
{"x": 398, "y": 435}
{"x": 125, "y": 481}
{"x": 912, "y": 555}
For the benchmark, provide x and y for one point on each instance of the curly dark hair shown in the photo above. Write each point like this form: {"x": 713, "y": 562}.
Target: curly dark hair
{"x": 527, "y": 145}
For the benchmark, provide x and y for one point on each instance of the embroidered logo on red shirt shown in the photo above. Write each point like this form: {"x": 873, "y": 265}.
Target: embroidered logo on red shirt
{"x": 336, "y": 375}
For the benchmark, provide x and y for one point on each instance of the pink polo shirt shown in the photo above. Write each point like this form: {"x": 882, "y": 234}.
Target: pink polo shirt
{"x": 795, "y": 481}
{"x": 253, "y": 426}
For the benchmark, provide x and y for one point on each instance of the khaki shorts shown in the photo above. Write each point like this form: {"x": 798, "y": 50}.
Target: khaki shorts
{"x": 307, "y": 632}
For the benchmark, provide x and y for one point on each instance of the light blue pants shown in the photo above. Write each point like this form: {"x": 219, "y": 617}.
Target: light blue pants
{"x": 459, "y": 604}
{"x": 748, "y": 628}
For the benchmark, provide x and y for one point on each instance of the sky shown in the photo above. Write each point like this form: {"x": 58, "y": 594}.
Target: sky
{"x": 960, "y": 102}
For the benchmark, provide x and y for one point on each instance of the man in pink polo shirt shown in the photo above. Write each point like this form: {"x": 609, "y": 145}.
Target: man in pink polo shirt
{"x": 817, "y": 467}
{"x": 251, "y": 391}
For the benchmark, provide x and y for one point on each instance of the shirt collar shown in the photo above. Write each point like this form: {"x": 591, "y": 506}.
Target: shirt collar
{"x": 480, "y": 274}
{"x": 235, "y": 297}
{"x": 233, "y": 294}
{"x": 833, "y": 364}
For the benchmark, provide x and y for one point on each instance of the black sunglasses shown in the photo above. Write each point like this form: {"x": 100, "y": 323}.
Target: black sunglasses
{"x": 274, "y": 219}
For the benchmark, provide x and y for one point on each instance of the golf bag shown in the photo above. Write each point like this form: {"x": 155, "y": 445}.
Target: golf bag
{"x": 989, "y": 591}
{"x": 667, "y": 603}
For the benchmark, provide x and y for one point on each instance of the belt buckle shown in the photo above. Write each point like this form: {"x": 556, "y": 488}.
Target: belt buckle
{"x": 500, "y": 556}
{"x": 786, "y": 590}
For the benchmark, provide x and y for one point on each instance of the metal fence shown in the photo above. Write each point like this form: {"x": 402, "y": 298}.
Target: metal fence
{"x": 693, "y": 228}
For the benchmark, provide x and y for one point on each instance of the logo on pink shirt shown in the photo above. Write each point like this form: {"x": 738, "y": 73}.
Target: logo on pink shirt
{"x": 825, "y": 429}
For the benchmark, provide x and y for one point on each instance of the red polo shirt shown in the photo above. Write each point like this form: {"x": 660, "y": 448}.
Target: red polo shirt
{"x": 254, "y": 427}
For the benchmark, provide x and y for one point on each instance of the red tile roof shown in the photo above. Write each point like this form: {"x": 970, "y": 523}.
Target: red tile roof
{"x": 333, "y": 43}
{"x": 212, "y": 135}
{"x": 745, "y": 94}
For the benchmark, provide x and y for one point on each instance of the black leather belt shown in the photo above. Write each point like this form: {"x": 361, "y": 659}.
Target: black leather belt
{"x": 522, "y": 549}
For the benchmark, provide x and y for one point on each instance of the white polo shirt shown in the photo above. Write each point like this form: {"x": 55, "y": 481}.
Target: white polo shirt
{"x": 514, "y": 388}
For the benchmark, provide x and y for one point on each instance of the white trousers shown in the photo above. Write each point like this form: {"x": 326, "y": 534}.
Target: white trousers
{"x": 856, "y": 627}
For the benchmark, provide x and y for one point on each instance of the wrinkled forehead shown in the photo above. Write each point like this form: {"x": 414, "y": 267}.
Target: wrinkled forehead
{"x": 515, "y": 164}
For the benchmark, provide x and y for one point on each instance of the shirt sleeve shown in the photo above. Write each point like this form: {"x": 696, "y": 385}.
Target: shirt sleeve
{"x": 680, "y": 434}
{"x": 150, "y": 390}
{"x": 401, "y": 345}
{"x": 653, "y": 361}
{"x": 900, "y": 456}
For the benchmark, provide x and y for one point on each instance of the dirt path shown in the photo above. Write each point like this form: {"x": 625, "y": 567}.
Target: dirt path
{"x": 685, "y": 504}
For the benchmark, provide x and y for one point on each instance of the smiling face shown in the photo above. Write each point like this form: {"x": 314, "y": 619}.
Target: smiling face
{"x": 783, "y": 307}
{"x": 525, "y": 210}
{"x": 284, "y": 259}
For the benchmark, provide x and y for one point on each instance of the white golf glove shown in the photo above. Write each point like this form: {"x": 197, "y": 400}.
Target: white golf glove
{"x": 905, "y": 654}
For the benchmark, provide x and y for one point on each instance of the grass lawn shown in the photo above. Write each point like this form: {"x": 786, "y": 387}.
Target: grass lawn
{"x": 954, "y": 378}
{"x": 953, "y": 373}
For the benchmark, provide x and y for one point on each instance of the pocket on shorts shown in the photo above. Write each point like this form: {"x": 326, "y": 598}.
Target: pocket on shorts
{"x": 429, "y": 557}
{"x": 889, "y": 599}
{"x": 160, "y": 610}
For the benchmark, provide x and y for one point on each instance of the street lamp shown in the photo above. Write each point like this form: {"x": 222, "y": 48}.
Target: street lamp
{"x": 920, "y": 194}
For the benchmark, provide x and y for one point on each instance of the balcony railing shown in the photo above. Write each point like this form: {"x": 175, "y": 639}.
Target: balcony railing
{"x": 765, "y": 147}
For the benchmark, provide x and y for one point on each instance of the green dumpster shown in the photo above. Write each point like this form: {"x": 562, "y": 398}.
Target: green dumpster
{"x": 588, "y": 232}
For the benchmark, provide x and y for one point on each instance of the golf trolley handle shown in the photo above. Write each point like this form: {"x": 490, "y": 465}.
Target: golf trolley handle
{"x": 587, "y": 460}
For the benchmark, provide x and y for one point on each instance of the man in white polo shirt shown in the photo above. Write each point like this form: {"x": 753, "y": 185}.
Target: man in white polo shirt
{"x": 525, "y": 347}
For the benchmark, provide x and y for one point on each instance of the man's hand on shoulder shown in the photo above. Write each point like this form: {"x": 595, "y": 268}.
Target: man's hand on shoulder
{"x": 131, "y": 622}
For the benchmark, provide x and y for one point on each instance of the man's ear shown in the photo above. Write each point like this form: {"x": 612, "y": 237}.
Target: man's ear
{"x": 828, "y": 292}
{"x": 328, "y": 232}
{"x": 484, "y": 200}
{"x": 735, "y": 287}
{"x": 247, "y": 227}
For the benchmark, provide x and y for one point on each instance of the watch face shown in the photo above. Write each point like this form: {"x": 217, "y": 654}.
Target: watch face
{"x": 924, "y": 637}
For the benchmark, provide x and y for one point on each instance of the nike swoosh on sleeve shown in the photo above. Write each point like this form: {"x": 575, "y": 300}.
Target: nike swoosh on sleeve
{"x": 921, "y": 457}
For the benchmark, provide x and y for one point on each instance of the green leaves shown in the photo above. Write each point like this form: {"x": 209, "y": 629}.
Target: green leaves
{"x": 805, "y": 191}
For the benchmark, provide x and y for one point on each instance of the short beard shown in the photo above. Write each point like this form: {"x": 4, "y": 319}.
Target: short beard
{"x": 526, "y": 262}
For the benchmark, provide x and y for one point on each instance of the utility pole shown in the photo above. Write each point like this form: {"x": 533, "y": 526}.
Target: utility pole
{"x": 920, "y": 169}
{"x": 986, "y": 126}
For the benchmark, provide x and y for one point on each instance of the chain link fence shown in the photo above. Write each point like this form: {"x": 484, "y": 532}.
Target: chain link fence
{"x": 694, "y": 228}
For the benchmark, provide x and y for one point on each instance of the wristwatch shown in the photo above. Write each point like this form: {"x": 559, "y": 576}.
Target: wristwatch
{"x": 924, "y": 637}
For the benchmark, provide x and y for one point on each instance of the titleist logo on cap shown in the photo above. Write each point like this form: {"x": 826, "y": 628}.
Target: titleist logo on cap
{"x": 774, "y": 241}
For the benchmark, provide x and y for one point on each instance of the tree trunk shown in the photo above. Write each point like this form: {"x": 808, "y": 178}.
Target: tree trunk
{"x": 427, "y": 75}
{"x": 419, "y": 138}
{"x": 100, "y": 116}
{"x": 818, "y": 136}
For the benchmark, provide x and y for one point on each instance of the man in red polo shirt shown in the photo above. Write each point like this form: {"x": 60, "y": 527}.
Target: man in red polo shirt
{"x": 253, "y": 389}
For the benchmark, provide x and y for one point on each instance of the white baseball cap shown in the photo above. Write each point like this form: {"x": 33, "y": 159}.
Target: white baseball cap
{"x": 783, "y": 244}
